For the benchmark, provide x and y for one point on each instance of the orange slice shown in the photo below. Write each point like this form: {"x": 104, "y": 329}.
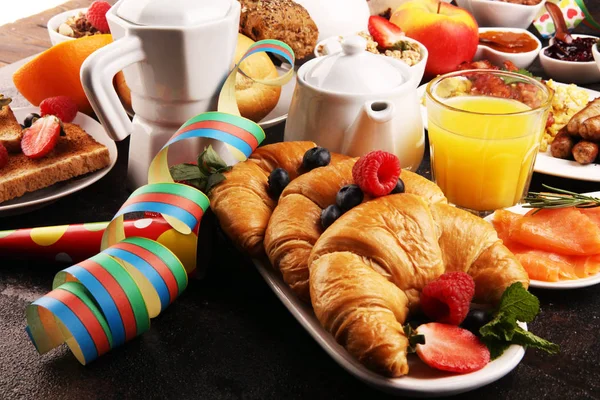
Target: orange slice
{"x": 55, "y": 72}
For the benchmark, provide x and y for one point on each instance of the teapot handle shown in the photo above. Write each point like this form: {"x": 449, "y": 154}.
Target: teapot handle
{"x": 97, "y": 73}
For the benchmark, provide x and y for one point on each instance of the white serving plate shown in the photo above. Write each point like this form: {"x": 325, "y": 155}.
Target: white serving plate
{"x": 422, "y": 381}
{"x": 570, "y": 284}
{"x": 545, "y": 163}
{"x": 39, "y": 198}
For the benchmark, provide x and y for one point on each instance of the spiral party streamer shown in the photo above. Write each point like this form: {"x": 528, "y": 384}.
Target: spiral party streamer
{"x": 108, "y": 299}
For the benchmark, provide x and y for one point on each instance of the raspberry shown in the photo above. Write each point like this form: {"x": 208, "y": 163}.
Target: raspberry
{"x": 377, "y": 173}
{"x": 96, "y": 15}
{"x": 3, "y": 156}
{"x": 448, "y": 298}
{"x": 60, "y": 106}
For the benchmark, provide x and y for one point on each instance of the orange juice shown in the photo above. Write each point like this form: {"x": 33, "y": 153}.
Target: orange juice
{"x": 482, "y": 159}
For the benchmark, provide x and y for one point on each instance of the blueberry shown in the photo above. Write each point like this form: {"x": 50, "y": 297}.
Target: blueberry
{"x": 315, "y": 158}
{"x": 30, "y": 119}
{"x": 475, "y": 320}
{"x": 399, "y": 188}
{"x": 329, "y": 215}
{"x": 278, "y": 180}
{"x": 349, "y": 197}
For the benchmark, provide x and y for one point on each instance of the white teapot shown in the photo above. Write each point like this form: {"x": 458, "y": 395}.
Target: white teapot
{"x": 176, "y": 55}
{"x": 354, "y": 102}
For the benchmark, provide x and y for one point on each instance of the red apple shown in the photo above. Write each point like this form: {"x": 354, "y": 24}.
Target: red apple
{"x": 449, "y": 33}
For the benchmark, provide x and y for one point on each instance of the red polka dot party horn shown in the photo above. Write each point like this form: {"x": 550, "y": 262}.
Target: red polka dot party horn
{"x": 77, "y": 242}
{"x": 108, "y": 299}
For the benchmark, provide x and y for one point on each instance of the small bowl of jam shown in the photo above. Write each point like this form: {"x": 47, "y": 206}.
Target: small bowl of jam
{"x": 500, "y": 44}
{"x": 571, "y": 62}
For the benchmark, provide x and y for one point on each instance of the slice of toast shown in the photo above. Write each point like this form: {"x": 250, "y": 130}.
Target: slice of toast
{"x": 75, "y": 154}
{"x": 10, "y": 130}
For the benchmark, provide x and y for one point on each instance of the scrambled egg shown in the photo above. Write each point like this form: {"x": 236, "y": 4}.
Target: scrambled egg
{"x": 567, "y": 101}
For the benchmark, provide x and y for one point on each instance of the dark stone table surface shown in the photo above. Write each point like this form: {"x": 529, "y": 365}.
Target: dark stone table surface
{"x": 229, "y": 337}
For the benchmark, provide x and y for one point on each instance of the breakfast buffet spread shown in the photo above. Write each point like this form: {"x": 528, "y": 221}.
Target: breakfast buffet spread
{"x": 387, "y": 270}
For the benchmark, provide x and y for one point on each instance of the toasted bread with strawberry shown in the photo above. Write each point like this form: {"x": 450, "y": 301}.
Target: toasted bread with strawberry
{"x": 75, "y": 154}
{"x": 10, "y": 129}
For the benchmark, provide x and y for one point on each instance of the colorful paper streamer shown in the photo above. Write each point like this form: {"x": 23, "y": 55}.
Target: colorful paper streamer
{"x": 108, "y": 299}
{"x": 574, "y": 12}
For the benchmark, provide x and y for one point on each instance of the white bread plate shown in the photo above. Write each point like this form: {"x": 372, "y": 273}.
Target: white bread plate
{"x": 56, "y": 21}
{"x": 521, "y": 60}
{"x": 40, "y": 198}
{"x": 577, "y": 72}
{"x": 490, "y": 13}
{"x": 332, "y": 45}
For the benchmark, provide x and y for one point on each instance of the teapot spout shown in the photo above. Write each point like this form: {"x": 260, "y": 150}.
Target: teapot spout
{"x": 372, "y": 130}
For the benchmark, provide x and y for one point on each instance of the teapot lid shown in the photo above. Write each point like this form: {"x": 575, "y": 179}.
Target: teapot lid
{"x": 355, "y": 70}
{"x": 175, "y": 13}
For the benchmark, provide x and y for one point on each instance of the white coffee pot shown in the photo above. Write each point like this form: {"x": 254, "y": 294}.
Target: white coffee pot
{"x": 175, "y": 55}
{"x": 354, "y": 102}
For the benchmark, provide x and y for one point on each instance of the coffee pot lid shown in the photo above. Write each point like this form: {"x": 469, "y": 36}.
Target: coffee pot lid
{"x": 175, "y": 13}
{"x": 355, "y": 70}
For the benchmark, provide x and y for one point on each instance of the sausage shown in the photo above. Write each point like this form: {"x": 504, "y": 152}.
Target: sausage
{"x": 590, "y": 129}
{"x": 562, "y": 145}
{"x": 585, "y": 152}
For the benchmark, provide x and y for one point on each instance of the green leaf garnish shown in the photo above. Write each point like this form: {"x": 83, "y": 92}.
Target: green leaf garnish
{"x": 516, "y": 304}
{"x": 204, "y": 176}
{"x": 521, "y": 71}
{"x": 560, "y": 199}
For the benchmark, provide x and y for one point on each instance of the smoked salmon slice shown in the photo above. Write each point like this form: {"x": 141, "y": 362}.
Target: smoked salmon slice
{"x": 564, "y": 231}
{"x": 541, "y": 264}
{"x": 592, "y": 213}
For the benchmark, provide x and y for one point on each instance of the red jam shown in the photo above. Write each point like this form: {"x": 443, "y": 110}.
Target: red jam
{"x": 579, "y": 50}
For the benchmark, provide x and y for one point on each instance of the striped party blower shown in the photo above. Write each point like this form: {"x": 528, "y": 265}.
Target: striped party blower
{"x": 108, "y": 299}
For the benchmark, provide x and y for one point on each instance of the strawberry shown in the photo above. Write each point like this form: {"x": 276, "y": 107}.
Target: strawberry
{"x": 3, "y": 156}
{"x": 96, "y": 15}
{"x": 447, "y": 299}
{"x": 450, "y": 348}
{"x": 386, "y": 34}
{"x": 60, "y": 106}
{"x": 376, "y": 173}
{"x": 39, "y": 139}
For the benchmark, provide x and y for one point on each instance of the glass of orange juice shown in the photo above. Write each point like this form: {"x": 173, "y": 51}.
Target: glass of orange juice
{"x": 485, "y": 127}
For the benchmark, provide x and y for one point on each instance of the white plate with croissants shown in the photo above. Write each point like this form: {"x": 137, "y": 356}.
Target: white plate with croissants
{"x": 353, "y": 283}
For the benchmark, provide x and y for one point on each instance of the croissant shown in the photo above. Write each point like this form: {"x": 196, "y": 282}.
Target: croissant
{"x": 368, "y": 268}
{"x": 295, "y": 224}
{"x": 242, "y": 203}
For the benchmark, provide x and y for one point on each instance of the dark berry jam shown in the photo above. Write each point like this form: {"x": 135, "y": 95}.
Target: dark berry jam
{"x": 579, "y": 50}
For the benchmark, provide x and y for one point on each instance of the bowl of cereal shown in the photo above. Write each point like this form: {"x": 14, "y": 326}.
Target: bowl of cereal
{"x": 503, "y": 13}
{"x": 410, "y": 51}
{"x": 69, "y": 25}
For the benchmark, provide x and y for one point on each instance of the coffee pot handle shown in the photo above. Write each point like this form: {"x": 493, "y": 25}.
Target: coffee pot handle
{"x": 97, "y": 74}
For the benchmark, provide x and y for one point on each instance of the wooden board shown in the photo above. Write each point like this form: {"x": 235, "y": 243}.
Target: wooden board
{"x": 29, "y": 36}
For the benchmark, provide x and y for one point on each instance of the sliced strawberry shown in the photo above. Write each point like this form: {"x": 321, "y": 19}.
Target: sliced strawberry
{"x": 386, "y": 34}
{"x": 450, "y": 348}
{"x": 39, "y": 139}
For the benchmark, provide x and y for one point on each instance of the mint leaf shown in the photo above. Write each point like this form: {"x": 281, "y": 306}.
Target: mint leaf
{"x": 210, "y": 162}
{"x": 500, "y": 328}
{"x": 528, "y": 339}
{"x": 495, "y": 346}
{"x": 521, "y": 71}
{"x": 213, "y": 180}
{"x": 186, "y": 172}
{"x": 199, "y": 184}
{"x": 518, "y": 302}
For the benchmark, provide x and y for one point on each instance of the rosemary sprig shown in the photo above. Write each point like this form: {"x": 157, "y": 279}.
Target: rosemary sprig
{"x": 560, "y": 199}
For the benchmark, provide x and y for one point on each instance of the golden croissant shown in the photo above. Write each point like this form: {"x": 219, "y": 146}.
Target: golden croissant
{"x": 242, "y": 203}
{"x": 368, "y": 268}
{"x": 295, "y": 224}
